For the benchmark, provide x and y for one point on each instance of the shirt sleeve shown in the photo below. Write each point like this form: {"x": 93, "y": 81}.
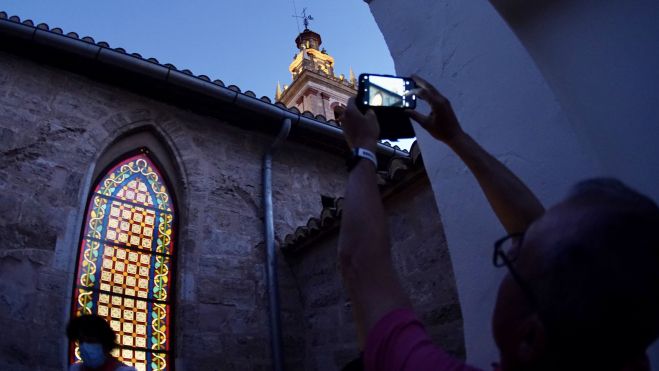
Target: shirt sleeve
{"x": 398, "y": 341}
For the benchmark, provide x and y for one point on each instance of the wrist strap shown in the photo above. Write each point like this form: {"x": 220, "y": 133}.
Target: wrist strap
{"x": 364, "y": 153}
{"x": 360, "y": 153}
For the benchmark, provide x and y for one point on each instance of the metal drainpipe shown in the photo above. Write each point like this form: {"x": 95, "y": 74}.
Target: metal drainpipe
{"x": 271, "y": 255}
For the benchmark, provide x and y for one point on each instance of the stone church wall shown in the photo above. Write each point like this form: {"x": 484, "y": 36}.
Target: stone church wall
{"x": 316, "y": 300}
{"x": 54, "y": 125}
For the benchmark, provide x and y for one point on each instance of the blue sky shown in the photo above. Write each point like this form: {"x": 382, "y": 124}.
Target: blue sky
{"x": 248, "y": 43}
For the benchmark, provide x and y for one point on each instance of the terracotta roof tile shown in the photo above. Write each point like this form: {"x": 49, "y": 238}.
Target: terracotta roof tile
{"x": 329, "y": 219}
{"x": 234, "y": 88}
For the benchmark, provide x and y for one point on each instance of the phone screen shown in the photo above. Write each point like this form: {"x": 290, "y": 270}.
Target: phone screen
{"x": 387, "y": 91}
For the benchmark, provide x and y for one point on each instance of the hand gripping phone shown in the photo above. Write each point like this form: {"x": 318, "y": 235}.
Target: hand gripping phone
{"x": 389, "y": 97}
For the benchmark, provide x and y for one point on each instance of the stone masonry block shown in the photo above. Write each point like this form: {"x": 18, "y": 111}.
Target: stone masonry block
{"x": 17, "y": 345}
{"x": 229, "y": 320}
{"x": 6, "y": 139}
{"x": 238, "y": 267}
{"x": 442, "y": 315}
{"x": 52, "y": 281}
{"x": 79, "y": 105}
{"x": 226, "y": 291}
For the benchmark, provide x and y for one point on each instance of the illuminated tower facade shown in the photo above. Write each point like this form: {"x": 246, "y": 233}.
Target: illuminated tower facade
{"x": 315, "y": 87}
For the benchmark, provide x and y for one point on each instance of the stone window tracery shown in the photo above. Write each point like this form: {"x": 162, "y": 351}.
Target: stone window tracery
{"x": 124, "y": 270}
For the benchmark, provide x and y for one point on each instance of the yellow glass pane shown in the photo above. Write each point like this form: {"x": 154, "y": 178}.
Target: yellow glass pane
{"x": 127, "y": 340}
{"x": 126, "y": 353}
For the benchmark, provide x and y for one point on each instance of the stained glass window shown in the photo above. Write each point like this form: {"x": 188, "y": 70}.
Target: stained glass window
{"x": 125, "y": 262}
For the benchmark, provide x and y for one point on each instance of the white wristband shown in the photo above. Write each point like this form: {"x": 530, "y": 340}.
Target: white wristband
{"x": 364, "y": 153}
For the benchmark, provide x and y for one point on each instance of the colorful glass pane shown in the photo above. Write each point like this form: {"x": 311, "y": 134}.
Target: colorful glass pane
{"x": 124, "y": 269}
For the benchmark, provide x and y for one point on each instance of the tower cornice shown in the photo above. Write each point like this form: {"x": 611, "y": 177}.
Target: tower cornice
{"x": 307, "y": 76}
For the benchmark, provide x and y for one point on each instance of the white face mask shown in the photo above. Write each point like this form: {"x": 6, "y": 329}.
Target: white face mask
{"x": 92, "y": 354}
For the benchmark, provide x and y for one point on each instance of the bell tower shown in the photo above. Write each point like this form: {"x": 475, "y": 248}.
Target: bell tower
{"x": 315, "y": 87}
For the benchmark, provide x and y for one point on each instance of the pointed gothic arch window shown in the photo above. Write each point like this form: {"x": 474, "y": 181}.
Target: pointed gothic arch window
{"x": 124, "y": 270}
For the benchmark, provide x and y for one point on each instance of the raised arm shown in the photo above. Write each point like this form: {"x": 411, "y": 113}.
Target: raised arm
{"x": 364, "y": 246}
{"x": 512, "y": 201}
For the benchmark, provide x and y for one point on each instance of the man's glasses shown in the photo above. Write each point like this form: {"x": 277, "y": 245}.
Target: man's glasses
{"x": 506, "y": 252}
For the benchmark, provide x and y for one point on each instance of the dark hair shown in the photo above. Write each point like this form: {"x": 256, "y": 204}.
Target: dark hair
{"x": 356, "y": 364}
{"x": 599, "y": 296}
{"x": 92, "y": 325}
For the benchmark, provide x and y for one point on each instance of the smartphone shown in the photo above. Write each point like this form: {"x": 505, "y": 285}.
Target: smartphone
{"x": 388, "y": 97}
{"x": 385, "y": 91}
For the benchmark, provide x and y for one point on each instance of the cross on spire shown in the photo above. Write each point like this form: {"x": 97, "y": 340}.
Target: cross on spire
{"x": 305, "y": 18}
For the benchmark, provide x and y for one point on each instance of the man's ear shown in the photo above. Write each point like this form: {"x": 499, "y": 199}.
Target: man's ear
{"x": 533, "y": 346}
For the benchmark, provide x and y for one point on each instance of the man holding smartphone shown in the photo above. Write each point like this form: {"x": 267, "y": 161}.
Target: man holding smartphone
{"x": 583, "y": 276}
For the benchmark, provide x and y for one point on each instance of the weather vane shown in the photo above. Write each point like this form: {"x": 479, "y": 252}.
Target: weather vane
{"x": 305, "y": 18}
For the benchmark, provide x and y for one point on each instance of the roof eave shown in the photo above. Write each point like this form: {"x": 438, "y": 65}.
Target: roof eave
{"x": 166, "y": 83}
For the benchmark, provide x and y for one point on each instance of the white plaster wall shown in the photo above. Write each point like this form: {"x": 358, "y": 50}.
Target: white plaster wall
{"x": 507, "y": 104}
{"x": 601, "y": 58}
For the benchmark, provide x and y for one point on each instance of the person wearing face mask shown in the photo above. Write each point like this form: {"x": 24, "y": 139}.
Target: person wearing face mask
{"x": 96, "y": 340}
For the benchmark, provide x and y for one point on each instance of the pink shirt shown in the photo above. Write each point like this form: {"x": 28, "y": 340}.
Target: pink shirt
{"x": 398, "y": 341}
